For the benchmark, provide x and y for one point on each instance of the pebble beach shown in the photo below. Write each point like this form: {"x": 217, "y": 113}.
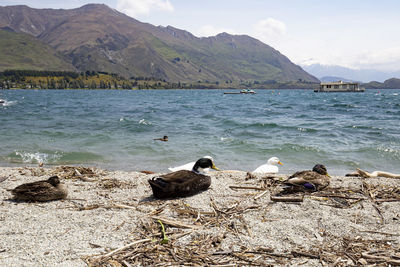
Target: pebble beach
{"x": 111, "y": 219}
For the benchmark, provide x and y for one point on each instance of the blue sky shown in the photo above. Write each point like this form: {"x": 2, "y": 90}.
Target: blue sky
{"x": 352, "y": 33}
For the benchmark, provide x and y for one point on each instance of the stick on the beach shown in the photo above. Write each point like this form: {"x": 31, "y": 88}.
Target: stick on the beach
{"x": 246, "y": 187}
{"x": 287, "y": 199}
{"x": 260, "y": 195}
{"x": 123, "y": 248}
{"x": 375, "y": 174}
{"x": 175, "y": 223}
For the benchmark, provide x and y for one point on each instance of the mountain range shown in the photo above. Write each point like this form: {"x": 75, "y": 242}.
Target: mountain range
{"x": 97, "y": 38}
{"x": 325, "y": 72}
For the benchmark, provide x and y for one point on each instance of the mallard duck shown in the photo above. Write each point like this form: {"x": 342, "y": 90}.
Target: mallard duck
{"x": 45, "y": 190}
{"x": 314, "y": 180}
{"x": 270, "y": 167}
{"x": 183, "y": 183}
{"x": 189, "y": 166}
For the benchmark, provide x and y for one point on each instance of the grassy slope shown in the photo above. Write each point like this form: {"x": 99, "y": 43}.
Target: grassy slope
{"x": 22, "y": 51}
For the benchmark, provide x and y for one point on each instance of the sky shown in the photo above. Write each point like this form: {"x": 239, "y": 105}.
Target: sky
{"x": 360, "y": 34}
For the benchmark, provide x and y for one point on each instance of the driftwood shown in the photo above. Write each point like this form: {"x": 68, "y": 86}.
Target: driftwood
{"x": 340, "y": 196}
{"x": 260, "y": 195}
{"x": 304, "y": 254}
{"x": 123, "y": 248}
{"x": 246, "y": 187}
{"x": 147, "y": 172}
{"x": 2, "y": 179}
{"x": 387, "y": 200}
{"x": 175, "y": 223}
{"x": 376, "y": 258}
{"x": 381, "y": 233}
{"x": 121, "y": 206}
{"x": 288, "y": 199}
{"x": 375, "y": 174}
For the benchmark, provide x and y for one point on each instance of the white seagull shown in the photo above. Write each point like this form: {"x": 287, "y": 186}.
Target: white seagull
{"x": 270, "y": 167}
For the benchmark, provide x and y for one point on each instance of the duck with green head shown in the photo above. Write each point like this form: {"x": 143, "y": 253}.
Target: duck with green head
{"x": 184, "y": 182}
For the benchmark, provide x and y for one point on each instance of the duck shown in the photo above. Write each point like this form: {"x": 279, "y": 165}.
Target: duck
{"x": 164, "y": 139}
{"x": 184, "y": 182}
{"x": 270, "y": 167}
{"x": 45, "y": 190}
{"x": 310, "y": 180}
{"x": 189, "y": 166}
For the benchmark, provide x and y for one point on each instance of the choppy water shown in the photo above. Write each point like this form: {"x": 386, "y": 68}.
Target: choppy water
{"x": 115, "y": 129}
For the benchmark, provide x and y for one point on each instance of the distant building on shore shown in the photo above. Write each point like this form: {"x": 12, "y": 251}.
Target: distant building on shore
{"x": 339, "y": 86}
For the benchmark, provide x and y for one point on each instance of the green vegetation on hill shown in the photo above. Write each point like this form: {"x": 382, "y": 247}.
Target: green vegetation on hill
{"x": 23, "y": 51}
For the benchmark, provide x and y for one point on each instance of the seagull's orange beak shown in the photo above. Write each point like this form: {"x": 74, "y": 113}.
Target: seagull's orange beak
{"x": 280, "y": 163}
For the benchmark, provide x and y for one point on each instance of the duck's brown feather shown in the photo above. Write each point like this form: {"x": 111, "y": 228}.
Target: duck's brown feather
{"x": 179, "y": 184}
{"x": 39, "y": 191}
{"x": 303, "y": 177}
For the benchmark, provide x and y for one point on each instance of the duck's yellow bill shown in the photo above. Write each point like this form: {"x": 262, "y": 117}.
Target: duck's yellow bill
{"x": 280, "y": 163}
{"x": 214, "y": 168}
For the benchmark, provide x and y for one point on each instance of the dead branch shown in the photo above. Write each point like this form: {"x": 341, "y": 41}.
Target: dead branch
{"x": 304, "y": 254}
{"x": 175, "y": 223}
{"x": 123, "y": 248}
{"x": 288, "y": 199}
{"x": 260, "y": 195}
{"x": 246, "y": 187}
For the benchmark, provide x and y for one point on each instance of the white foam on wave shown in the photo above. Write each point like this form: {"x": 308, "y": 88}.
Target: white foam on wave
{"x": 389, "y": 150}
{"x": 36, "y": 157}
{"x": 143, "y": 121}
{"x": 8, "y": 103}
{"x": 228, "y": 139}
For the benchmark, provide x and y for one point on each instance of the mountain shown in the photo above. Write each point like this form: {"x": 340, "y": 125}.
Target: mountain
{"x": 363, "y": 75}
{"x": 23, "y": 51}
{"x": 334, "y": 79}
{"x": 392, "y": 83}
{"x": 96, "y": 37}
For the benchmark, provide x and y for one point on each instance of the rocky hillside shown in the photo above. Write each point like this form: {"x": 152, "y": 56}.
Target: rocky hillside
{"x": 96, "y": 37}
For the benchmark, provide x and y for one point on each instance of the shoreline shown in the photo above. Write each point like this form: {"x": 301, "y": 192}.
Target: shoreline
{"x": 284, "y": 171}
{"x": 107, "y": 210}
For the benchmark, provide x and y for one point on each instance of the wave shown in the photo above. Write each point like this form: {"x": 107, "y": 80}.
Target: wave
{"x": 52, "y": 157}
{"x": 8, "y": 103}
{"x": 34, "y": 157}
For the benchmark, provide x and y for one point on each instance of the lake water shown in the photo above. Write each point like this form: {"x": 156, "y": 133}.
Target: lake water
{"x": 115, "y": 129}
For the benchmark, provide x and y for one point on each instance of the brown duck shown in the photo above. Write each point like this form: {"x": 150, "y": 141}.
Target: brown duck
{"x": 183, "y": 183}
{"x": 312, "y": 180}
{"x": 46, "y": 190}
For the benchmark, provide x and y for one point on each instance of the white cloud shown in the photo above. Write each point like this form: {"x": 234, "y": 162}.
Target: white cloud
{"x": 143, "y": 7}
{"x": 385, "y": 59}
{"x": 270, "y": 29}
{"x": 210, "y": 30}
